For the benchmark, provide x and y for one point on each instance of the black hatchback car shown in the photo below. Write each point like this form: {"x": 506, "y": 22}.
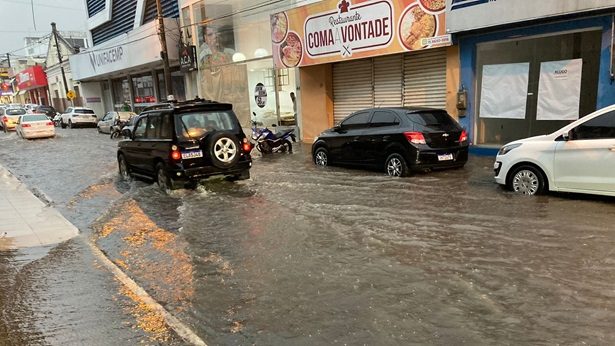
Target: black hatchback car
{"x": 400, "y": 140}
{"x": 179, "y": 143}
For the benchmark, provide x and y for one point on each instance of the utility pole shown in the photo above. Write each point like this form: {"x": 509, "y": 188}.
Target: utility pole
{"x": 55, "y": 36}
{"x": 164, "y": 53}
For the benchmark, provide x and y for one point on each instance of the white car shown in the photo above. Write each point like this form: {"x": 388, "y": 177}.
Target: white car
{"x": 35, "y": 126}
{"x": 579, "y": 157}
{"x": 78, "y": 116}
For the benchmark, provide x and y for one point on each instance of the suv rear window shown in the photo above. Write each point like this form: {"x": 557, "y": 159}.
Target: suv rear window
{"x": 14, "y": 111}
{"x": 84, "y": 111}
{"x": 433, "y": 119}
{"x": 197, "y": 124}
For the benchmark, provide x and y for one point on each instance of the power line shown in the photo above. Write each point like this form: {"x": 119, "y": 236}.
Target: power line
{"x": 27, "y": 3}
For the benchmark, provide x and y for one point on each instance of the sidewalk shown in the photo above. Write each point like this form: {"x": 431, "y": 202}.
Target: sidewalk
{"x": 25, "y": 221}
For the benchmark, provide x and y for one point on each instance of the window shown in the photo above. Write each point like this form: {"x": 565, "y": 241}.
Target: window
{"x": 153, "y": 127}
{"x": 107, "y": 116}
{"x": 69, "y": 110}
{"x": 140, "y": 128}
{"x": 196, "y": 124}
{"x": 382, "y": 118}
{"x": 166, "y": 130}
{"x": 84, "y": 111}
{"x": 356, "y": 120}
{"x": 598, "y": 128}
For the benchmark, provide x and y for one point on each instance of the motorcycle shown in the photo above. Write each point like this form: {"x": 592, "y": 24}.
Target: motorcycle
{"x": 268, "y": 142}
{"x": 57, "y": 119}
{"x": 118, "y": 126}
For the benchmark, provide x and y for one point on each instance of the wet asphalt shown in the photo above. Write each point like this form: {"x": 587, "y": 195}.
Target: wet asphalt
{"x": 303, "y": 255}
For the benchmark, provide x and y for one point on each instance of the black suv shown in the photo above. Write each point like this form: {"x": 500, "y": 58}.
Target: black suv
{"x": 179, "y": 143}
{"x": 398, "y": 139}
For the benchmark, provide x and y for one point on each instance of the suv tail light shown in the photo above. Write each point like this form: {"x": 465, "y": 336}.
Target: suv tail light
{"x": 247, "y": 146}
{"x": 175, "y": 154}
{"x": 415, "y": 137}
{"x": 463, "y": 137}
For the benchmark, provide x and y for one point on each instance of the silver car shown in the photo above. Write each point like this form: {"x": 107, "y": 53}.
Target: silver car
{"x": 111, "y": 118}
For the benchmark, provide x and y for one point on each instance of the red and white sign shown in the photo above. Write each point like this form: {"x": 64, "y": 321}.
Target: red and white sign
{"x": 336, "y": 30}
{"x": 31, "y": 78}
{"x": 366, "y": 26}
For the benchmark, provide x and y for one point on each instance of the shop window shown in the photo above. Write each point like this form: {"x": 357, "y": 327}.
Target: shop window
{"x": 121, "y": 93}
{"x": 535, "y": 51}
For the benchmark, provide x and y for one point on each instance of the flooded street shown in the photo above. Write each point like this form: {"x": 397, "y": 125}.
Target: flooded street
{"x": 307, "y": 256}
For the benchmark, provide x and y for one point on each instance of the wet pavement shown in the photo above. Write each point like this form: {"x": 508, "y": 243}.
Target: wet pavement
{"x": 302, "y": 255}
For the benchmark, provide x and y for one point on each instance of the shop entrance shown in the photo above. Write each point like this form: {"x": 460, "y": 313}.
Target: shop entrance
{"x": 535, "y": 51}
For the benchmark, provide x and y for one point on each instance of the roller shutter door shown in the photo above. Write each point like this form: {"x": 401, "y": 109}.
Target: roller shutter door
{"x": 388, "y": 83}
{"x": 352, "y": 87}
{"x": 425, "y": 78}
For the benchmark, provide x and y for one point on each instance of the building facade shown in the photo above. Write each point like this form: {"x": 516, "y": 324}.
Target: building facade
{"x": 533, "y": 70}
{"x": 124, "y": 67}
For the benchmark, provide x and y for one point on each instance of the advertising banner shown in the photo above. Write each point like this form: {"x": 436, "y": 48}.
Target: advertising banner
{"x": 559, "y": 90}
{"x": 504, "y": 91}
{"x": 336, "y": 30}
{"x": 465, "y": 15}
{"x": 30, "y": 78}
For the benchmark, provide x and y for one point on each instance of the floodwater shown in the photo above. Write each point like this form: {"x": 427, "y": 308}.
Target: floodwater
{"x": 303, "y": 255}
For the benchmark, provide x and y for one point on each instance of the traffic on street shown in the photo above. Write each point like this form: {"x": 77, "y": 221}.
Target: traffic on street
{"x": 304, "y": 254}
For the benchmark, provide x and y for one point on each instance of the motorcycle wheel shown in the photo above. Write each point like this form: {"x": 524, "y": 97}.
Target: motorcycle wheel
{"x": 287, "y": 146}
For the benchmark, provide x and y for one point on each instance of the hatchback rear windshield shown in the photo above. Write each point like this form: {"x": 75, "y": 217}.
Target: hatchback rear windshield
{"x": 15, "y": 111}
{"x": 84, "y": 111}
{"x": 432, "y": 119}
{"x": 27, "y": 118}
{"x": 197, "y": 124}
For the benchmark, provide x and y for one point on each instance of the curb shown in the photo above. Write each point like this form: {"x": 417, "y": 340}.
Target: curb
{"x": 173, "y": 322}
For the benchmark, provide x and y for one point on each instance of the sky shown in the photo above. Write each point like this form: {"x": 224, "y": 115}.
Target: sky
{"x": 16, "y": 20}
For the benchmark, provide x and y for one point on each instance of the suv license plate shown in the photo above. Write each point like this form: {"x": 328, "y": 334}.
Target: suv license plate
{"x": 192, "y": 154}
{"x": 445, "y": 157}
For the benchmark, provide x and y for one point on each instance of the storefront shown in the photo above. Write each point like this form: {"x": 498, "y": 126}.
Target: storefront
{"x": 127, "y": 72}
{"x": 235, "y": 62}
{"x": 6, "y": 86}
{"x": 32, "y": 82}
{"x": 552, "y": 67}
{"x": 365, "y": 54}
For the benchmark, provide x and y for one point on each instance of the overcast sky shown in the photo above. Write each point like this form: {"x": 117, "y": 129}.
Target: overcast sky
{"x": 16, "y": 20}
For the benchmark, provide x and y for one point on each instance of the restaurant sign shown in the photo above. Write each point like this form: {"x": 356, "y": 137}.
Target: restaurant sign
{"x": 335, "y": 30}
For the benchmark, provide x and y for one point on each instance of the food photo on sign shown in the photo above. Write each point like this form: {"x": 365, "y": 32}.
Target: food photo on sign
{"x": 337, "y": 30}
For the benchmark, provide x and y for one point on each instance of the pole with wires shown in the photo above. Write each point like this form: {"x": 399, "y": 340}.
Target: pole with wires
{"x": 164, "y": 53}
{"x": 54, "y": 32}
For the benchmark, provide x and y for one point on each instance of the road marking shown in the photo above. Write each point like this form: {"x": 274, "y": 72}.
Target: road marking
{"x": 178, "y": 327}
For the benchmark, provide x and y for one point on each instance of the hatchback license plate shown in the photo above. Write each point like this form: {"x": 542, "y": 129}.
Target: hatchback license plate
{"x": 192, "y": 154}
{"x": 445, "y": 157}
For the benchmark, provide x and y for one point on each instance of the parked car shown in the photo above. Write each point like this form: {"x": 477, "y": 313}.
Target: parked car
{"x": 579, "y": 157}
{"x": 398, "y": 140}
{"x": 179, "y": 143}
{"x": 35, "y": 126}
{"x": 49, "y": 111}
{"x": 111, "y": 118}
{"x": 78, "y": 116}
{"x": 10, "y": 118}
{"x": 30, "y": 107}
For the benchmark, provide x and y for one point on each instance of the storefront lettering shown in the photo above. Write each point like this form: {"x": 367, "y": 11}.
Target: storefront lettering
{"x": 365, "y": 26}
{"x": 106, "y": 57}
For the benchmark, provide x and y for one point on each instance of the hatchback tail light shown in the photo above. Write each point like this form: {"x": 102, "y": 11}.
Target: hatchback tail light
{"x": 415, "y": 137}
{"x": 26, "y": 125}
{"x": 463, "y": 137}
{"x": 50, "y": 123}
{"x": 5, "y": 119}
